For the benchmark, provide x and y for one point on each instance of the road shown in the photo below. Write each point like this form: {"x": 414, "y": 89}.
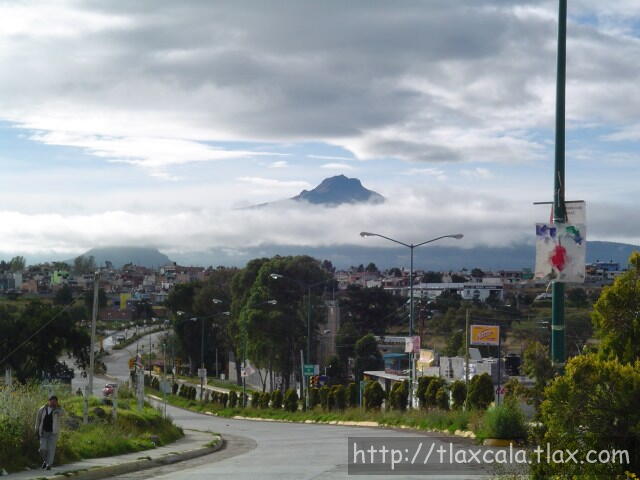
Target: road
{"x": 274, "y": 450}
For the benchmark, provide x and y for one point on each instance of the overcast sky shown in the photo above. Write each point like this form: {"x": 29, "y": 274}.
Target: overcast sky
{"x": 150, "y": 122}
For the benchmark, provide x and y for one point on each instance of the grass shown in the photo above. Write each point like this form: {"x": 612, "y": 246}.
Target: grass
{"x": 132, "y": 431}
{"x": 432, "y": 420}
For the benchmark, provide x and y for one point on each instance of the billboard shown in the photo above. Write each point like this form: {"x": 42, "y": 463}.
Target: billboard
{"x": 484, "y": 335}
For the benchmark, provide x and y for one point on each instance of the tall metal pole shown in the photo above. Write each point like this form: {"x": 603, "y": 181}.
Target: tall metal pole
{"x": 202, "y": 360}
{"x": 559, "y": 211}
{"x": 305, "y": 379}
{"x": 94, "y": 318}
{"x": 411, "y": 354}
{"x": 466, "y": 357}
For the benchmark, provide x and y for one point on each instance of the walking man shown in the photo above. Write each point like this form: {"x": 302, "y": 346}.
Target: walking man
{"x": 48, "y": 428}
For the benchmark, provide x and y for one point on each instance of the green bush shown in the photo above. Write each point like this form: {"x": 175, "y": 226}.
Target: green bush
{"x": 399, "y": 396}
{"x": 421, "y": 392}
{"x": 504, "y": 421}
{"x": 255, "y": 399}
{"x": 481, "y": 392}
{"x": 174, "y": 388}
{"x": 373, "y": 396}
{"x": 265, "y": 398}
{"x": 432, "y": 390}
{"x": 339, "y": 397}
{"x": 324, "y": 397}
{"x": 291, "y": 400}
{"x": 314, "y": 397}
{"x": 353, "y": 395}
{"x": 225, "y": 400}
{"x": 442, "y": 398}
{"x": 458, "y": 394}
{"x": 233, "y": 399}
{"x": 276, "y": 400}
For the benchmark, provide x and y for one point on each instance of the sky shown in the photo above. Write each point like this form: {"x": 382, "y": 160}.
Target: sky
{"x": 151, "y": 123}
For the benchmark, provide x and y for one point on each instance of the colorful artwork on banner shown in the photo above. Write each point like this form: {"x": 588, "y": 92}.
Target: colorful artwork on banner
{"x": 561, "y": 252}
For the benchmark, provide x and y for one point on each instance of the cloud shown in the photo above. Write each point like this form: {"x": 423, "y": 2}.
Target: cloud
{"x": 279, "y": 164}
{"x": 394, "y": 83}
{"x": 429, "y": 171}
{"x": 478, "y": 172}
{"x": 337, "y": 166}
{"x": 274, "y": 183}
{"x": 329, "y": 157}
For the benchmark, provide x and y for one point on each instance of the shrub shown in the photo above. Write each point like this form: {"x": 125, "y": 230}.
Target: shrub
{"x": 504, "y": 421}
{"x": 265, "y": 398}
{"x": 442, "y": 398}
{"x": 324, "y": 397}
{"x": 373, "y": 396}
{"x": 423, "y": 385}
{"x": 481, "y": 391}
{"x": 458, "y": 393}
{"x": 233, "y": 399}
{"x": 353, "y": 395}
{"x": 339, "y": 394}
{"x": 174, "y": 388}
{"x": 255, "y": 399}
{"x": 432, "y": 390}
{"x": 314, "y": 397}
{"x": 276, "y": 400}
{"x": 291, "y": 400}
{"x": 399, "y": 396}
{"x": 225, "y": 399}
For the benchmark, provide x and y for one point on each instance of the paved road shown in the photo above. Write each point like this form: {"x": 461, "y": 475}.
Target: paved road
{"x": 269, "y": 450}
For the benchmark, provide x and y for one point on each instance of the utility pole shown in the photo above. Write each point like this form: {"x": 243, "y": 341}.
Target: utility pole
{"x": 202, "y": 360}
{"x": 466, "y": 358}
{"x": 94, "y": 318}
{"x": 559, "y": 210}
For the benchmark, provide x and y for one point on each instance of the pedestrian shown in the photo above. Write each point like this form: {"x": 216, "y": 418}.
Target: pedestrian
{"x": 48, "y": 429}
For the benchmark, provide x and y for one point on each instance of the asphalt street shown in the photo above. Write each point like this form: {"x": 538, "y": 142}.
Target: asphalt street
{"x": 275, "y": 450}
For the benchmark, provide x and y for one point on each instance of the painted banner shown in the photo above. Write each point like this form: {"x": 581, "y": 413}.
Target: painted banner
{"x": 561, "y": 252}
{"x": 412, "y": 345}
{"x": 484, "y": 335}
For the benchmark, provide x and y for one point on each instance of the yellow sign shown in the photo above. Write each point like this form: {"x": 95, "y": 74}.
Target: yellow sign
{"x": 124, "y": 298}
{"x": 485, "y": 335}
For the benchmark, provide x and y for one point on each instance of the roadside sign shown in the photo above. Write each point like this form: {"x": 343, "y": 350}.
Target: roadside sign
{"x": 310, "y": 369}
{"x": 202, "y": 373}
{"x": 485, "y": 335}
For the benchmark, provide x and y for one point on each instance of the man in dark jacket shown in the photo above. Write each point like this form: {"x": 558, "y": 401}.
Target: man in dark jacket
{"x": 48, "y": 429}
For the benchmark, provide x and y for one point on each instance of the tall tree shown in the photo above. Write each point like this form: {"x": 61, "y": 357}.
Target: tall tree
{"x": 616, "y": 315}
{"x": 84, "y": 264}
{"x": 368, "y": 357}
{"x": 17, "y": 264}
{"x": 370, "y": 309}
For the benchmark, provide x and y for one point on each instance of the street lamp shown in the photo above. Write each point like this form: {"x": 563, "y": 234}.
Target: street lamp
{"x": 277, "y": 276}
{"x": 411, "y": 247}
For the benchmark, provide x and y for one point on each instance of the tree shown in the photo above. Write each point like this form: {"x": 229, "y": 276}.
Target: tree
{"x": 291, "y": 400}
{"x": 17, "y": 264}
{"x": 432, "y": 277}
{"x": 88, "y": 299}
{"x": 399, "y": 395}
{"x": 477, "y": 273}
{"x": 370, "y": 309}
{"x": 616, "y": 315}
{"x": 455, "y": 344}
{"x": 455, "y": 278}
{"x": 84, "y": 264}
{"x": 593, "y": 406}
{"x": 537, "y": 365}
{"x": 481, "y": 392}
{"x": 371, "y": 268}
{"x": 395, "y": 272}
{"x": 35, "y": 337}
{"x": 430, "y": 396}
{"x": 64, "y": 296}
{"x": 577, "y": 297}
{"x": 367, "y": 355}
{"x": 335, "y": 370}
{"x": 346, "y": 342}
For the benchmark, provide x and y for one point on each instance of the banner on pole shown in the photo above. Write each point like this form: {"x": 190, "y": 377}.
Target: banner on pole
{"x": 412, "y": 345}
{"x": 561, "y": 247}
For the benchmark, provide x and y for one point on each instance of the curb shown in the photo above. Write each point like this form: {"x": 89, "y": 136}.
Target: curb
{"x": 138, "y": 465}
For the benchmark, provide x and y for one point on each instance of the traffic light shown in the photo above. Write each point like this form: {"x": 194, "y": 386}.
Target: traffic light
{"x": 315, "y": 379}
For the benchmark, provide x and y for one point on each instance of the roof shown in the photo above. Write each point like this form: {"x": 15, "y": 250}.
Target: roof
{"x": 385, "y": 375}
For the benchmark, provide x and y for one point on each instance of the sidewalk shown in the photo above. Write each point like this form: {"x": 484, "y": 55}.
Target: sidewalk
{"x": 191, "y": 445}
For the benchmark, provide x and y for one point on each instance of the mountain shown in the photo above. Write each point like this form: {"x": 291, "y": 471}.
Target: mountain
{"x": 430, "y": 258}
{"x": 338, "y": 190}
{"x": 119, "y": 256}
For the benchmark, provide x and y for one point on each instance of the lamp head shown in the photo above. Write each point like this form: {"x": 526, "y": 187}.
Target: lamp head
{"x": 272, "y": 302}
{"x": 366, "y": 234}
{"x": 275, "y": 276}
{"x": 216, "y": 300}
{"x": 457, "y": 236}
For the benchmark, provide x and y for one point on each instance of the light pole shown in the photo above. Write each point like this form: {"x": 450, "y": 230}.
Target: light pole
{"x": 411, "y": 247}
{"x": 308, "y": 288}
